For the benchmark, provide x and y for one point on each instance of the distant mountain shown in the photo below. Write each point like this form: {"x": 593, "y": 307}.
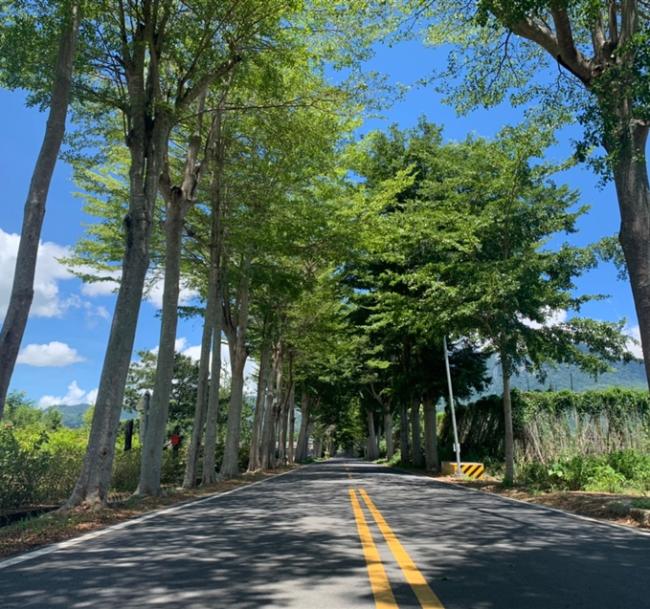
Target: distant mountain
{"x": 73, "y": 414}
{"x": 631, "y": 374}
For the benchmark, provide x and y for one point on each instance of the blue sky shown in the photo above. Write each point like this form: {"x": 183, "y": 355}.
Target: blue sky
{"x": 63, "y": 347}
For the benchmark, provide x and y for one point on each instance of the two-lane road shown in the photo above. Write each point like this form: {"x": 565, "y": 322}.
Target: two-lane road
{"x": 343, "y": 535}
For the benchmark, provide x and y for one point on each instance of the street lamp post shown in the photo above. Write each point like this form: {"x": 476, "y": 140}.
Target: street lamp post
{"x": 459, "y": 473}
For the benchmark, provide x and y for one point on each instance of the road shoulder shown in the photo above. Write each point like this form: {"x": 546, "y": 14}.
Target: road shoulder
{"x": 49, "y": 532}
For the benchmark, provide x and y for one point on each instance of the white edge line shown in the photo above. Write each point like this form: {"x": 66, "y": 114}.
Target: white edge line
{"x": 605, "y": 523}
{"x": 61, "y": 545}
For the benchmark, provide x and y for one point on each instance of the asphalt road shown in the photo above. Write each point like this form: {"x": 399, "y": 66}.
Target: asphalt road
{"x": 304, "y": 540}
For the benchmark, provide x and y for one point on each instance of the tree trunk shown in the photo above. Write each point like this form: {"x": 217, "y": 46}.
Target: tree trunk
{"x": 238, "y": 354}
{"x": 178, "y": 202}
{"x": 151, "y": 457}
{"x": 292, "y": 425}
{"x": 633, "y": 192}
{"x": 404, "y": 434}
{"x": 201, "y": 406}
{"x": 209, "y": 475}
{"x": 272, "y": 415}
{"x": 303, "y": 434}
{"x": 266, "y": 442}
{"x": 22, "y": 291}
{"x": 230, "y": 465}
{"x": 284, "y": 425}
{"x": 431, "y": 461}
{"x": 388, "y": 431}
{"x": 373, "y": 452}
{"x": 416, "y": 433}
{"x": 146, "y": 160}
{"x": 507, "y": 418}
{"x": 258, "y": 419}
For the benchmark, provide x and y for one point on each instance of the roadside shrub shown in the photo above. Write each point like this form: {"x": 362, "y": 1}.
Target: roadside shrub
{"x": 615, "y": 472}
{"x": 37, "y": 466}
{"x": 550, "y": 425}
{"x": 605, "y": 478}
{"x": 126, "y": 471}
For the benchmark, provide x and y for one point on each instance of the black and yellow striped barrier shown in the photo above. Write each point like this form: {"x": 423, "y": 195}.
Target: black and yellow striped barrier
{"x": 471, "y": 470}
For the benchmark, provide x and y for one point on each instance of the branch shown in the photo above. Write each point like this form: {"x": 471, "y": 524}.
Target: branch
{"x": 538, "y": 32}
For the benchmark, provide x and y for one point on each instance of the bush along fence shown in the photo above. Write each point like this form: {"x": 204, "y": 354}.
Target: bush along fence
{"x": 552, "y": 425}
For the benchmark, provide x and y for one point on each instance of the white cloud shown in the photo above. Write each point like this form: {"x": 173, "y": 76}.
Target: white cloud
{"x": 179, "y": 345}
{"x": 250, "y": 369}
{"x": 634, "y": 342}
{"x": 101, "y": 288}
{"x": 156, "y": 289}
{"x": 55, "y": 354}
{"x": 48, "y": 301}
{"x": 553, "y": 318}
{"x": 75, "y": 395}
{"x": 153, "y": 290}
{"x": 194, "y": 353}
{"x": 49, "y": 271}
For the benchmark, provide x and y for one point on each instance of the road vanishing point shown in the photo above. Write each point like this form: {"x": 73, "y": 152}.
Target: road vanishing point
{"x": 341, "y": 535}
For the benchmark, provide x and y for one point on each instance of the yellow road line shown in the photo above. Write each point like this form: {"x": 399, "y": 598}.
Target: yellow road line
{"x": 426, "y": 596}
{"x": 379, "y": 583}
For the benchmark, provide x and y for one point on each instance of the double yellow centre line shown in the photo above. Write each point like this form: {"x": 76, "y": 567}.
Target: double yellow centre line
{"x": 381, "y": 589}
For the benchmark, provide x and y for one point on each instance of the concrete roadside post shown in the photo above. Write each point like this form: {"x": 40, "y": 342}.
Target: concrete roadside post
{"x": 459, "y": 472}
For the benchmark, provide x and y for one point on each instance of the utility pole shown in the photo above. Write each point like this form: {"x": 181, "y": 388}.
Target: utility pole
{"x": 459, "y": 473}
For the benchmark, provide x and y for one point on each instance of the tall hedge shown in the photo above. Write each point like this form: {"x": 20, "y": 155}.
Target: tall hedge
{"x": 551, "y": 424}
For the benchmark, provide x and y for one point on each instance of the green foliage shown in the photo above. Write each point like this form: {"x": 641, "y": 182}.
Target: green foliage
{"x": 141, "y": 378}
{"x": 615, "y": 472}
{"x": 549, "y": 425}
{"x": 38, "y": 466}
{"x": 20, "y": 412}
{"x": 517, "y": 51}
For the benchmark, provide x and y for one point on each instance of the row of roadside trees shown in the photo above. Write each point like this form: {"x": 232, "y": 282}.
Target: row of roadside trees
{"x": 215, "y": 153}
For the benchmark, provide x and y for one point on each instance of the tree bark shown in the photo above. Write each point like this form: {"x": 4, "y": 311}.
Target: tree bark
{"x": 431, "y": 461}
{"x": 22, "y": 291}
{"x": 151, "y": 456}
{"x": 372, "y": 449}
{"x": 146, "y": 160}
{"x": 507, "y": 418}
{"x": 388, "y": 431}
{"x": 284, "y": 427}
{"x": 179, "y": 200}
{"x": 404, "y": 434}
{"x": 633, "y": 192}
{"x": 318, "y": 447}
{"x": 303, "y": 435}
{"x": 417, "y": 433}
{"x": 209, "y": 474}
{"x": 238, "y": 354}
{"x": 272, "y": 414}
{"x": 292, "y": 424}
{"x": 201, "y": 406}
{"x": 258, "y": 419}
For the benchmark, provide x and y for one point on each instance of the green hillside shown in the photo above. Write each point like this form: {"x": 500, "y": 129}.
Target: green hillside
{"x": 631, "y": 374}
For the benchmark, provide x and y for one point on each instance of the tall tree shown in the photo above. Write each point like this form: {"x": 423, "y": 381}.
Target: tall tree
{"x": 161, "y": 72}
{"x": 17, "y": 19}
{"x": 598, "y": 54}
